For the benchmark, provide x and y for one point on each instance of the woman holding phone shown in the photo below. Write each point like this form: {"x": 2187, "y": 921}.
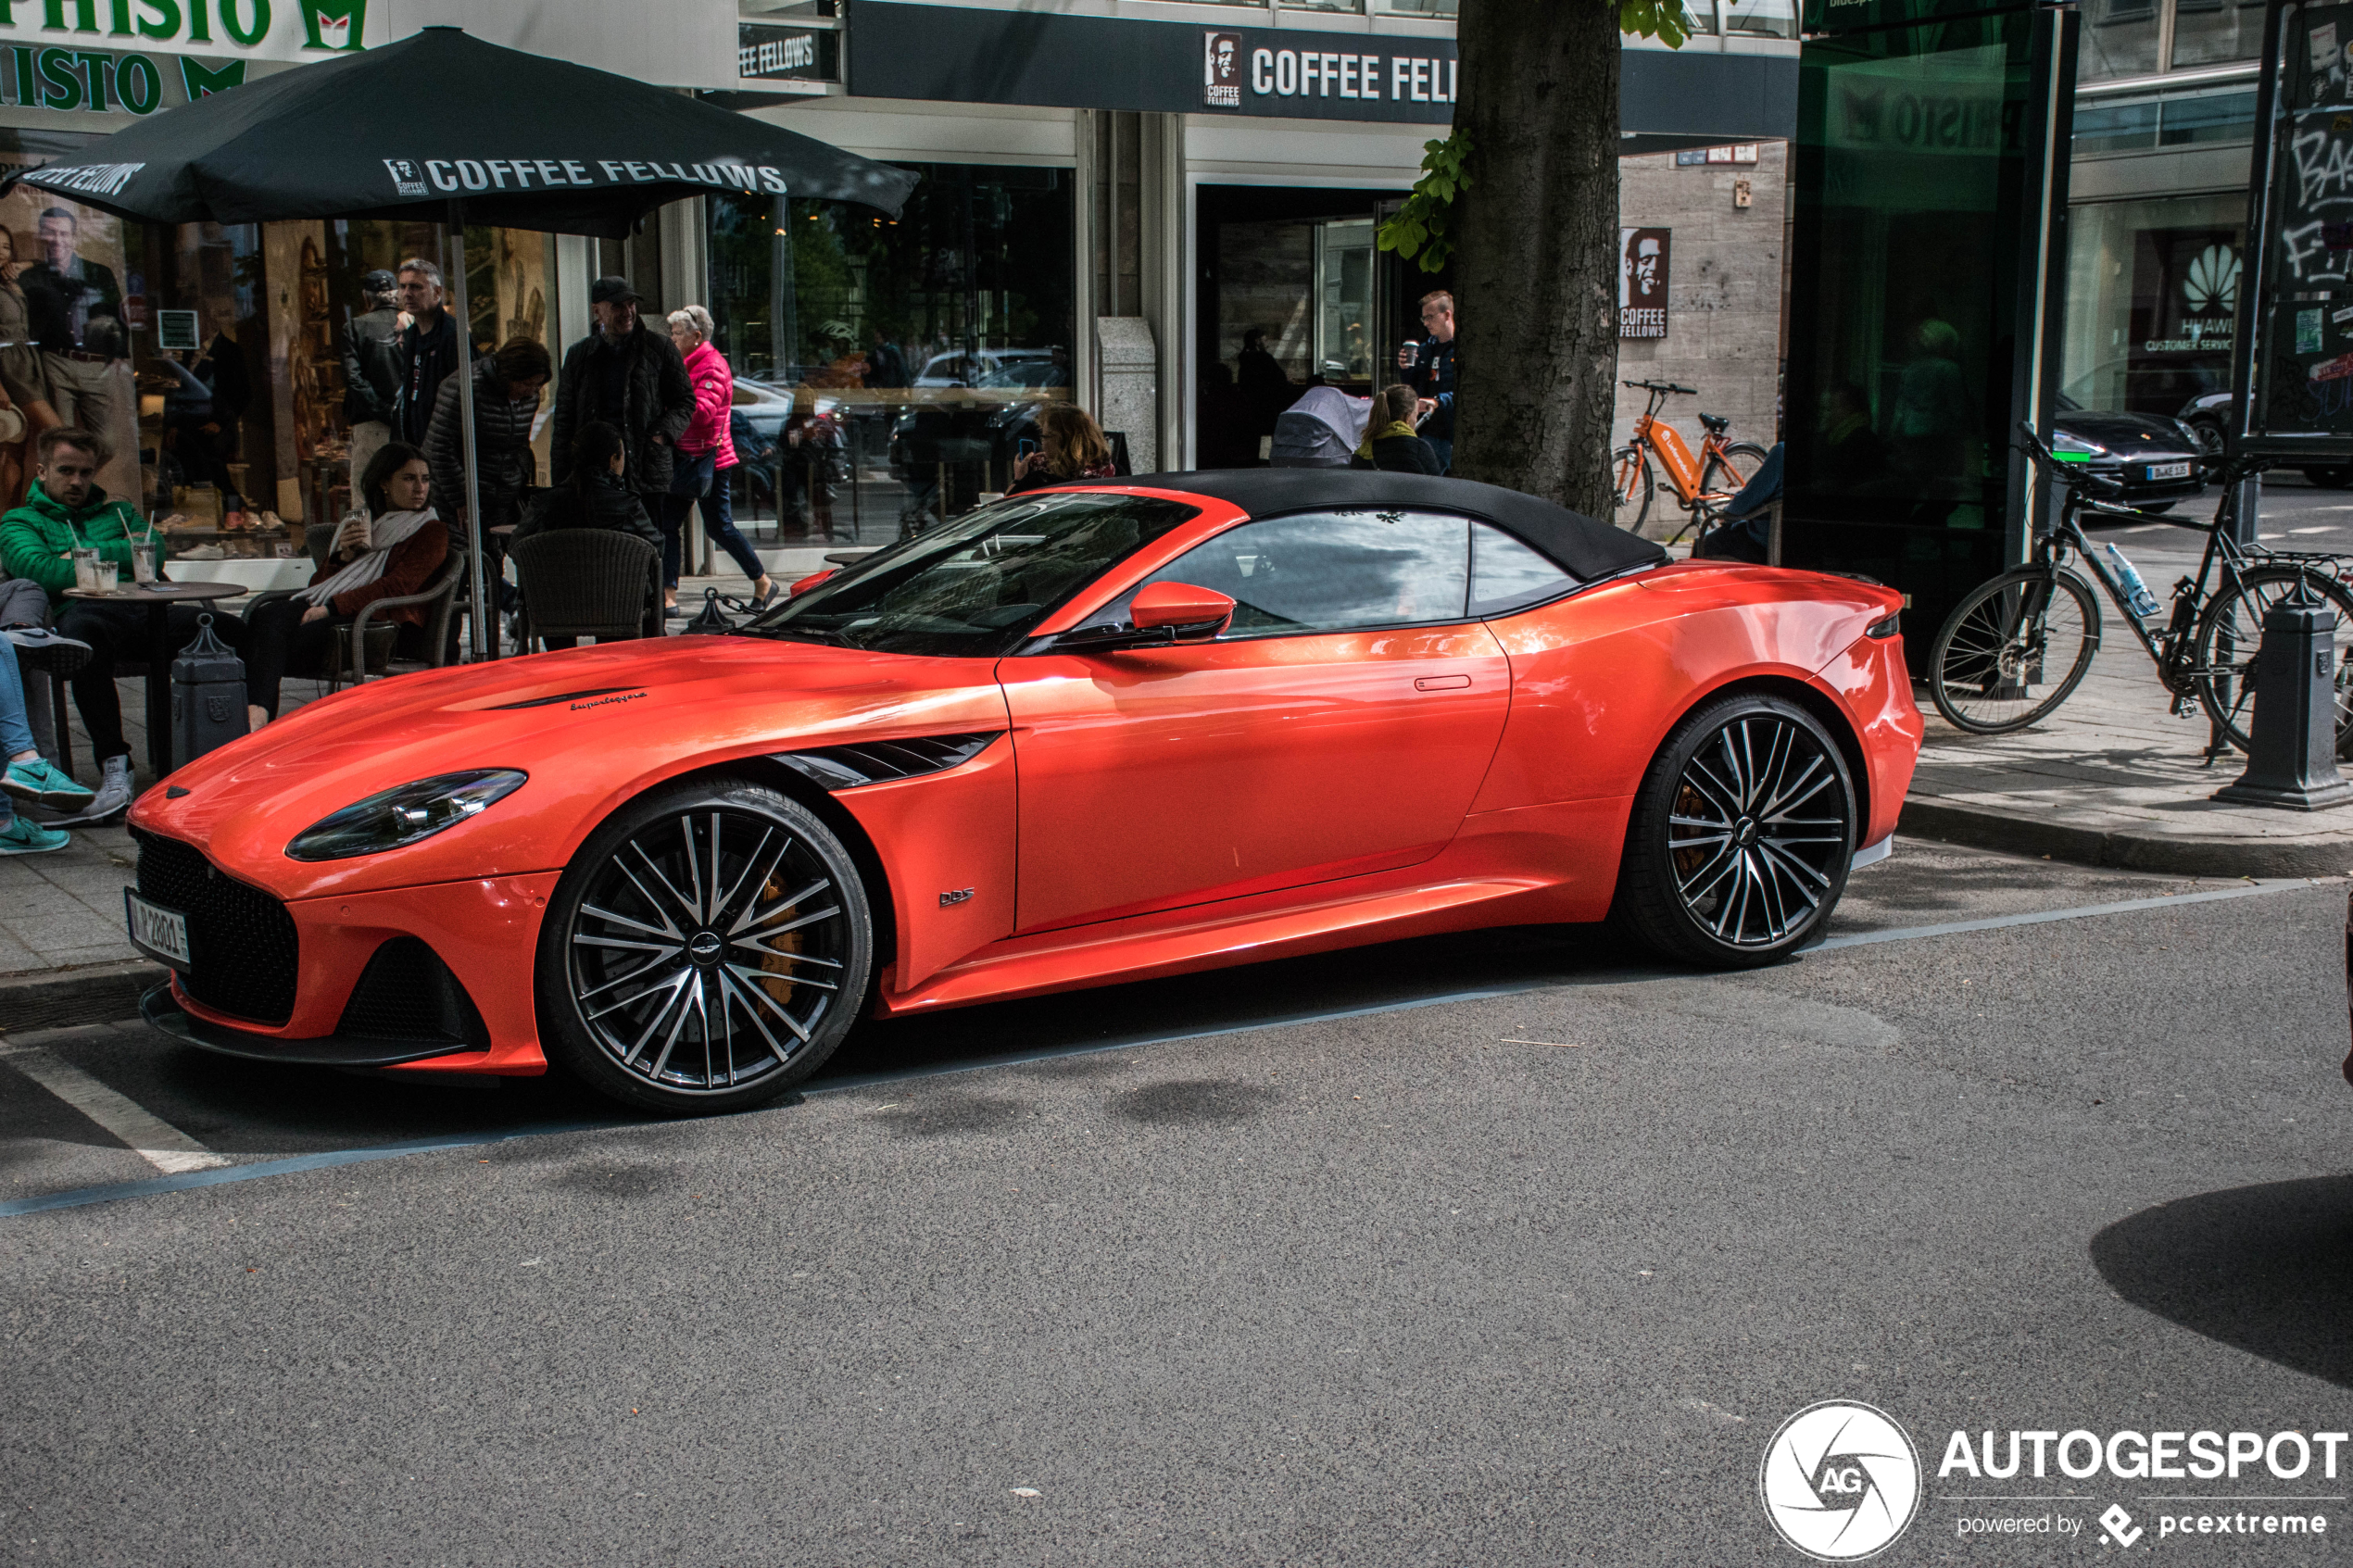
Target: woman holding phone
{"x": 1074, "y": 448}
{"x": 386, "y": 550}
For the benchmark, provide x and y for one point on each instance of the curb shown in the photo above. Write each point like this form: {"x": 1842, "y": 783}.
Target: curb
{"x": 105, "y": 993}
{"x": 2329, "y": 856}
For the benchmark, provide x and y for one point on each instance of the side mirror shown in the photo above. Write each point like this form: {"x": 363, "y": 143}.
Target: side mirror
{"x": 808, "y": 582}
{"x": 1187, "y": 613}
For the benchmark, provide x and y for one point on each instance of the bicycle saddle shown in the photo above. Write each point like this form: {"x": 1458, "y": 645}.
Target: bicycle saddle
{"x": 1718, "y": 424}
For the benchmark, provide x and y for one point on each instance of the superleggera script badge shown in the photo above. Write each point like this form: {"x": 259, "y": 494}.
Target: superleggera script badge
{"x": 627, "y": 696}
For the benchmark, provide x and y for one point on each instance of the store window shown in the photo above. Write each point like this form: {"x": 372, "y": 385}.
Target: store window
{"x": 2151, "y": 300}
{"x": 889, "y": 371}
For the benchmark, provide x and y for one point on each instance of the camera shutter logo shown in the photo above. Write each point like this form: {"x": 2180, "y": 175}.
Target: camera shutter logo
{"x": 407, "y": 178}
{"x": 1841, "y": 1481}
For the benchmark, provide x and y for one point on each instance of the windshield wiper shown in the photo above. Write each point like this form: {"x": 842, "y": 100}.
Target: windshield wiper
{"x": 803, "y": 633}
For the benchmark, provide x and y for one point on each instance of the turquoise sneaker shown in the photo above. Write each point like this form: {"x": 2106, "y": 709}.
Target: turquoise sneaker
{"x": 25, "y": 837}
{"x": 43, "y": 785}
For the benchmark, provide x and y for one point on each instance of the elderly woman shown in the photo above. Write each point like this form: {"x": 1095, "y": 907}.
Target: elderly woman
{"x": 706, "y": 459}
{"x": 386, "y": 551}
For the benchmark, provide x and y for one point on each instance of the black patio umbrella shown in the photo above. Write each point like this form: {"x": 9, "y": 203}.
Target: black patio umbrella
{"x": 471, "y": 130}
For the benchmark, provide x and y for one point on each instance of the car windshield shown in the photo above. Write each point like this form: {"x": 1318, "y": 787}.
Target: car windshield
{"x": 973, "y": 588}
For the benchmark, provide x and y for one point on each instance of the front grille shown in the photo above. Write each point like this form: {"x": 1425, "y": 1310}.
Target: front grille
{"x": 242, "y": 953}
{"x": 407, "y": 993}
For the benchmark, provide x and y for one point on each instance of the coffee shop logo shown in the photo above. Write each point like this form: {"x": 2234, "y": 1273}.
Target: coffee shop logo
{"x": 335, "y": 24}
{"x": 407, "y": 178}
{"x": 1222, "y": 71}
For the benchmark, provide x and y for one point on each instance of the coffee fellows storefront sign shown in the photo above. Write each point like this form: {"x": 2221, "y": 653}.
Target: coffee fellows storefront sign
{"x": 135, "y": 56}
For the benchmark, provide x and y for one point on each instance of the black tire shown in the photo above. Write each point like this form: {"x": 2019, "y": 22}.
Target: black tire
{"x": 763, "y": 979}
{"x": 2013, "y": 650}
{"x": 1720, "y": 869}
{"x": 2332, "y": 478}
{"x": 1635, "y": 486}
{"x": 2231, "y": 630}
{"x": 1727, "y": 472}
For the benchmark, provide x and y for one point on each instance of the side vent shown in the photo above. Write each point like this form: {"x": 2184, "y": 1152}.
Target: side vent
{"x": 846, "y": 767}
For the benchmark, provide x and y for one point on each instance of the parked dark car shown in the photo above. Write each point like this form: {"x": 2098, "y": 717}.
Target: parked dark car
{"x": 2158, "y": 461}
{"x": 2208, "y": 416}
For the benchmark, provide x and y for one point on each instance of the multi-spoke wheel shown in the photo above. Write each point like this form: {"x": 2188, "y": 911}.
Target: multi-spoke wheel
{"x": 707, "y": 949}
{"x": 2013, "y": 649}
{"x": 1741, "y": 835}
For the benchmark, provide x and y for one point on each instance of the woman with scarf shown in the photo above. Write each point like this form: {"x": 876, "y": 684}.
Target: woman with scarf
{"x": 1390, "y": 442}
{"x": 389, "y": 550}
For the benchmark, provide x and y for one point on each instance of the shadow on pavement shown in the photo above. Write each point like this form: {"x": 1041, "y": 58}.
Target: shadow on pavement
{"x": 2266, "y": 1268}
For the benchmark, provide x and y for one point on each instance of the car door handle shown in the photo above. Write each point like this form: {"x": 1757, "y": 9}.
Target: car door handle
{"x": 1441, "y": 682}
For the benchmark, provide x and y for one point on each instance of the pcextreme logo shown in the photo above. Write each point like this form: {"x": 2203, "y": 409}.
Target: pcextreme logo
{"x": 1841, "y": 1481}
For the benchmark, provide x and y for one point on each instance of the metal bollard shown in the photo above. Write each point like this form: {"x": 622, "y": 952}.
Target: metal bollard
{"x": 207, "y": 696}
{"x": 2291, "y": 760}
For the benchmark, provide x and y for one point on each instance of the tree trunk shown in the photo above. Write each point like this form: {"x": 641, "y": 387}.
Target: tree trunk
{"x": 1536, "y": 248}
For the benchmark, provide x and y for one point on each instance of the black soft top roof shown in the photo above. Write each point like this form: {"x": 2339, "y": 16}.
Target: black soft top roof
{"x": 1586, "y": 549}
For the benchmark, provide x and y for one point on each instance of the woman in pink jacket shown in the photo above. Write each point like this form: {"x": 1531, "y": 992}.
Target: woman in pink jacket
{"x": 705, "y": 456}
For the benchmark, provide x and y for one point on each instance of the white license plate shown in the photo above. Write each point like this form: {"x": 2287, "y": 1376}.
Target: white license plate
{"x": 155, "y": 931}
{"x": 2169, "y": 470}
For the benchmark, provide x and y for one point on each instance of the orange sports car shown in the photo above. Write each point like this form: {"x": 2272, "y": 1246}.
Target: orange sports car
{"x": 1090, "y": 733}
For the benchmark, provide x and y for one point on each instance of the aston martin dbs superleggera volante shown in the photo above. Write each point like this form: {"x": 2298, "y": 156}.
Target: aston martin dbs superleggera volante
{"x": 1088, "y": 734}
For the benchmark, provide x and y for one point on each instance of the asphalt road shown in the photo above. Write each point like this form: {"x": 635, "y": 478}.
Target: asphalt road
{"x": 1508, "y": 1250}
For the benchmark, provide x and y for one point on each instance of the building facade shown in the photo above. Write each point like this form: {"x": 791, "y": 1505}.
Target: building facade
{"x": 1162, "y": 208}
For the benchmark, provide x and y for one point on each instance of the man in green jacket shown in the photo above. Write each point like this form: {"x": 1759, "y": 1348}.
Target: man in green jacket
{"x": 65, "y": 509}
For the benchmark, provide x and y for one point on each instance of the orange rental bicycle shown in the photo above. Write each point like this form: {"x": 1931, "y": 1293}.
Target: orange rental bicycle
{"x": 1701, "y": 484}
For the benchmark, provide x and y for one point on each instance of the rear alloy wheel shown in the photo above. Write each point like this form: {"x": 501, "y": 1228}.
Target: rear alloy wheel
{"x": 1742, "y": 837}
{"x": 708, "y": 949}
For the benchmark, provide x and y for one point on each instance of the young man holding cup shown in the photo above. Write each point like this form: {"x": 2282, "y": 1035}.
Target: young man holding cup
{"x": 65, "y": 511}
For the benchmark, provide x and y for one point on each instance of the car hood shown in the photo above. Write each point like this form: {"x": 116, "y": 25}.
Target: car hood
{"x": 591, "y": 726}
{"x": 2130, "y": 435}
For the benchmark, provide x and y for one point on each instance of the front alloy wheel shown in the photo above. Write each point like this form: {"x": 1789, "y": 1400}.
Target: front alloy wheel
{"x": 1741, "y": 835}
{"x": 707, "y": 949}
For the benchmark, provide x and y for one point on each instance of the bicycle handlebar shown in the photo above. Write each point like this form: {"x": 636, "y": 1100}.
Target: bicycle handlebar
{"x": 1664, "y": 387}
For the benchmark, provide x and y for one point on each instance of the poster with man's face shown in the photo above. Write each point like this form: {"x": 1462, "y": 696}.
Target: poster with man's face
{"x": 1642, "y": 282}
{"x": 1222, "y": 71}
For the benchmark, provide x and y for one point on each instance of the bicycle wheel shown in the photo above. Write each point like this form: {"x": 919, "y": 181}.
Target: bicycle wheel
{"x": 1630, "y": 481}
{"x": 2231, "y": 630}
{"x": 2013, "y": 651}
{"x": 1732, "y": 467}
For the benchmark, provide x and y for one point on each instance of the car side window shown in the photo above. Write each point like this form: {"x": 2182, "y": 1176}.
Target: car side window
{"x": 1327, "y": 571}
{"x": 1508, "y": 575}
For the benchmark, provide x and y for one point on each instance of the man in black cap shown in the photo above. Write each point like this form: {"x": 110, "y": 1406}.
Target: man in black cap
{"x": 371, "y": 367}
{"x": 632, "y": 379}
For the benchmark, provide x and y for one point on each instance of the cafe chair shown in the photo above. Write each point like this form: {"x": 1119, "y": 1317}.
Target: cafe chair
{"x": 585, "y": 582}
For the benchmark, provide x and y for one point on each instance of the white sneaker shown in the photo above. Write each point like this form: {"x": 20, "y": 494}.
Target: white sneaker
{"x": 113, "y": 797}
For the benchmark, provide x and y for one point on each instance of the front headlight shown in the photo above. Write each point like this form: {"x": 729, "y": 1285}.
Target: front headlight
{"x": 395, "y": 817}
{"x": 2063, "y": 444}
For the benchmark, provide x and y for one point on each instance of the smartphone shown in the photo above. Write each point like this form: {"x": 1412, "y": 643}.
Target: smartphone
{"x": 1024, "y": 447}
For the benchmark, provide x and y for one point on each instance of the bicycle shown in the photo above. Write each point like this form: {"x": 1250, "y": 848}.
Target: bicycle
{"x": 1701, "y": 485}
{"x": 2020, "y": 644}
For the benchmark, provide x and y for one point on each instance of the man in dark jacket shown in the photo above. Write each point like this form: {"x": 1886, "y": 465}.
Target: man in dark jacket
{"x": 428, "y": 350}
{"x": 506, "y": 389}
{"x": 371, "y": 367}
{"x": 1430, "y": 366}
{"x": 632, "y": 379}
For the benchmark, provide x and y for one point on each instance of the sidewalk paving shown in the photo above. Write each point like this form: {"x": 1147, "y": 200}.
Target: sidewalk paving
{"x": 2113, "y": 779}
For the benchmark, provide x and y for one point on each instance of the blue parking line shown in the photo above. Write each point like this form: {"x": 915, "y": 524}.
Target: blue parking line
{"x": 161, "y": 1185}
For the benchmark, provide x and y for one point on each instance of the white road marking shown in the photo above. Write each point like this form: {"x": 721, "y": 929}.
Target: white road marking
{"x": 2270, "y": 537}
{"x": 2325, "y": 528}
{"x": 150, "y": 1137}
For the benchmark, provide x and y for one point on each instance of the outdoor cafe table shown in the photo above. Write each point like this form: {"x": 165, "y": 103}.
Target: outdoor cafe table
{"x": 157, "y": 599}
